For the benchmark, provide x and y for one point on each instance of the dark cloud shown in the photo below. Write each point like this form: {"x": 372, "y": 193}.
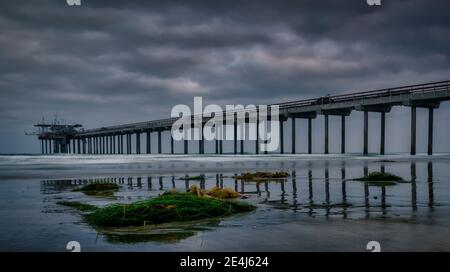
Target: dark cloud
{"x": 109, "y": 62}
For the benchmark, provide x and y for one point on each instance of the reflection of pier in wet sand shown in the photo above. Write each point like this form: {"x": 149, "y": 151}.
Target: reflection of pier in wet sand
{"x": 327, "y": 191}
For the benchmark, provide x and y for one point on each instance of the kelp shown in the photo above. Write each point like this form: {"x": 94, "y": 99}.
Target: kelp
{"x": 261, "y": 176}
{"x": 381, "y": 179}
{"x": 169, "y": 207}
{"x": 97, "y": 188}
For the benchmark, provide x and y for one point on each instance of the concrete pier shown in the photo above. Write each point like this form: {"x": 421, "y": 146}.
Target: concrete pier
{"x": 366, "y": 133}
{"x": 281, "y": 136}
{"x": 413, "y": 130}
{"x": 430, "y": 130}
{"x": 309, "y": 136}
{"x": 293, "y": 135}
{"x": 326, "y": 134}
{"x": 56, "y": 138}
{"x": 383, "y": 132}
{"x": 342, "y": 134}
{"x": 138, "y": 143}
{"x": 159, "y": 142}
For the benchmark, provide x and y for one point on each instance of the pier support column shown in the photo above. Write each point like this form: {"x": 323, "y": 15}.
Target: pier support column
{"x": 383, "y": 132}
{"x": 111, "y": 144}
{"x": 413, "y": 130}
{"x": 121, "y": 144}
{"x": 105, "y": 145}
{"x": 326, "y": 133}
{"x": 108, "y": 144}
{"x": 148, "y": 142}
{"x": 281, "y": 137}
{"x": 366, "y": 133}
{"x": 83, "y": 141}
{"x": 242, "y": 133}
{"x": 100, "y": 145}
{"x": 114, "y": 143}
{"x": 138, "y": 143}
{"x": 235, "y": 133}
{"x": 201, "y": 142}
{"x": 430, "y": 130}
{"x": 257, "y": 136}
{"x": 159, "y": 142}
{"x": 42, "y": 146}
{"x": 293, "y": 135}
{"x": 99, "y": 138}
{"x": 222, "y": 135}
{"x": 73, "y": 146}
{"x": 79, "y": 146}
{"x": 309, "y": 136}
{"x": 172, "y": 151}
{"x": 128, "y": 143}
{"x": 118, "y": 143}
{"x": 342, "y": 134}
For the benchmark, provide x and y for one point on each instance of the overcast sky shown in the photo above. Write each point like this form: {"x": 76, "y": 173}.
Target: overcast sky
{"x": 112, "y": 62}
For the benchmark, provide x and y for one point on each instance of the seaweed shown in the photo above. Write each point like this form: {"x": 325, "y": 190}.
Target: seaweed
{"x": 169, "y": 207}
{"x": 258, "y": 176}
{"x": 217, "y": 192}
{"x": 97, "y": 188}
{"x": 200, "y": 177}
{"x": 380, "y": 176}
{"x": 381, "y": 179}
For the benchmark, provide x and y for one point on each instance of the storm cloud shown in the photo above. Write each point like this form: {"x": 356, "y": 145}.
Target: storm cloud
{"x": 111, "y": 62}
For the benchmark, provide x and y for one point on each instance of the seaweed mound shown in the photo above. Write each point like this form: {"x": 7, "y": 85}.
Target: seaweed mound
{"x": 200, "y": 177}
{"x": 258, "y": 176}
{"x": 221, "y": 193}
{"x": 381, "y": 179}
{"x": 98, "y": 188}
{"x": 379, "y": 176}
{"x": 169, "y": 207}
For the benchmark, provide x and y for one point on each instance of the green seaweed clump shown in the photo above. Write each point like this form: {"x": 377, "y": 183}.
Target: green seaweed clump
{"x": 258, "y": 176}
{"x": 78, "y": 205}
{"x": 98, "y": 188}
{"x": 200, "y": 177}
{"x": 169, "y": 207}
{"x": 381, "y": 179}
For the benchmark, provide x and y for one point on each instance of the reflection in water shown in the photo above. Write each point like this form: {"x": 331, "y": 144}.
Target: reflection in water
{"x": 163, "y": 233}
{"x": 132, "y": 238}
{"x": 340, "y": 196}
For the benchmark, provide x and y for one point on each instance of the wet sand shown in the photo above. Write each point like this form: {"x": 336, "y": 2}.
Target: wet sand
{"x": 318, "y": 208}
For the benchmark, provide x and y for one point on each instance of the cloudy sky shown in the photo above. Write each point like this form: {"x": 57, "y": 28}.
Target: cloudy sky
{"x": 112, "y": 62}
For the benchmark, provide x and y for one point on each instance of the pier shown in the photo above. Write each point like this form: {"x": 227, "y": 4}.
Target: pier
{"x": 55, "y": 138}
